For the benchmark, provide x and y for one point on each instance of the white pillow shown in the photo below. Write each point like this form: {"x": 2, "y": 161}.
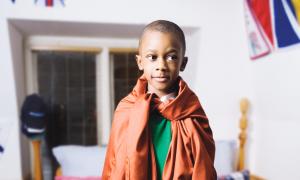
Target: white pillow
{"x": 80, "y": 161}
{"x": 225, "y": 156}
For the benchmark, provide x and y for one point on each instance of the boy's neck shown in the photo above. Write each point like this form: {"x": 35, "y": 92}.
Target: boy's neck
{"x": 167, "y": 97}
{"x": 164, "y": 96}
{"x": 160, "y": 94}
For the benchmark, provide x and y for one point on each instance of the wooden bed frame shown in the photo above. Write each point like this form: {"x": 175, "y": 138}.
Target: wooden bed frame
{"x": 244, "y": 106}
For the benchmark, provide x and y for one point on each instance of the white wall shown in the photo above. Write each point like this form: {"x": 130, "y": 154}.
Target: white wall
{"x": 219, "y": 60}
{"x": 277, "y": 99}
{"x": 271, "y": 84}
{"x": 16, "y": 41}
{"x": 225, "y": 72}
{"x": 10, "y": 163}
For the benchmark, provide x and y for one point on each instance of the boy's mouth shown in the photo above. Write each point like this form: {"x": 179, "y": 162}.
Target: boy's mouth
{"x": 161, "y": 78}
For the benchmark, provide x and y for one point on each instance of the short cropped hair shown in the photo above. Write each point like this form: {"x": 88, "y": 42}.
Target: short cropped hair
{"x": 165, "y": 26}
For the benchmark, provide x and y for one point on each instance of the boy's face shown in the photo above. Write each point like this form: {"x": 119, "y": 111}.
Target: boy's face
{"x": 161, "y": 57}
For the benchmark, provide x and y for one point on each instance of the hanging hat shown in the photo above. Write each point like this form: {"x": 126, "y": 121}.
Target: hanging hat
{"x": 33, "y": 116}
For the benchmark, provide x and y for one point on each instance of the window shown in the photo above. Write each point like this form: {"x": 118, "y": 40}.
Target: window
{"x": 125, "y": 74}
{"x": 66, "y": 81}
{"x": 81, "y": 85}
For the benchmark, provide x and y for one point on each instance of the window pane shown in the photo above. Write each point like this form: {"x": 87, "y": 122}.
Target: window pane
{"x": 67, "y": 82}
{"x": 126, "y": 73}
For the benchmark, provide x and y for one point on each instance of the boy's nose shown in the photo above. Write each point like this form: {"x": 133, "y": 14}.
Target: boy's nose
{"x": 161, "y": 64}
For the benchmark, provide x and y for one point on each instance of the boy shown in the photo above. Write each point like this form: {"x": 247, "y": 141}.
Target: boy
{"x": 160, "y": 130}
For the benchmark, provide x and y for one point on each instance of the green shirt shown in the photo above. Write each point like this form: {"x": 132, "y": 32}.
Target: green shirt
{"x": 161, "y": 135}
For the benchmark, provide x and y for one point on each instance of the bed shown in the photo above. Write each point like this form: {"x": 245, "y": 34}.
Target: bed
{"x": 85, "y": 163}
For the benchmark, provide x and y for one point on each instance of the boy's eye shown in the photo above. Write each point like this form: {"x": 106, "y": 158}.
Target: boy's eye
{"x": 172, "y": 57}
{"x": 151, "y": 57}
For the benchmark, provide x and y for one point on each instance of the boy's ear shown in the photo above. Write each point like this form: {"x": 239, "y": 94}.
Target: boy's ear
{"x": 139, "y": 62}
{"x": 183, "y": 64}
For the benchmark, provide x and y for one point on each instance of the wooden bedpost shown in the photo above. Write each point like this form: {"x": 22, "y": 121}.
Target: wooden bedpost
{"x": 37, "y": 159}
{"x": 244, "y": 105}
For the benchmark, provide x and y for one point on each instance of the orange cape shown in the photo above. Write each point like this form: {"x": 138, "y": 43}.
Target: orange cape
{"x": 130, "y": 153}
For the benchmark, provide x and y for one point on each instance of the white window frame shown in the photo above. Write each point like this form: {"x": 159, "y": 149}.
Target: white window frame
{"x": 104, "y": 83}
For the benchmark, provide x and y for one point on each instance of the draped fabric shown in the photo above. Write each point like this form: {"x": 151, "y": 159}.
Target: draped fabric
{"x": 130, "y": 153}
